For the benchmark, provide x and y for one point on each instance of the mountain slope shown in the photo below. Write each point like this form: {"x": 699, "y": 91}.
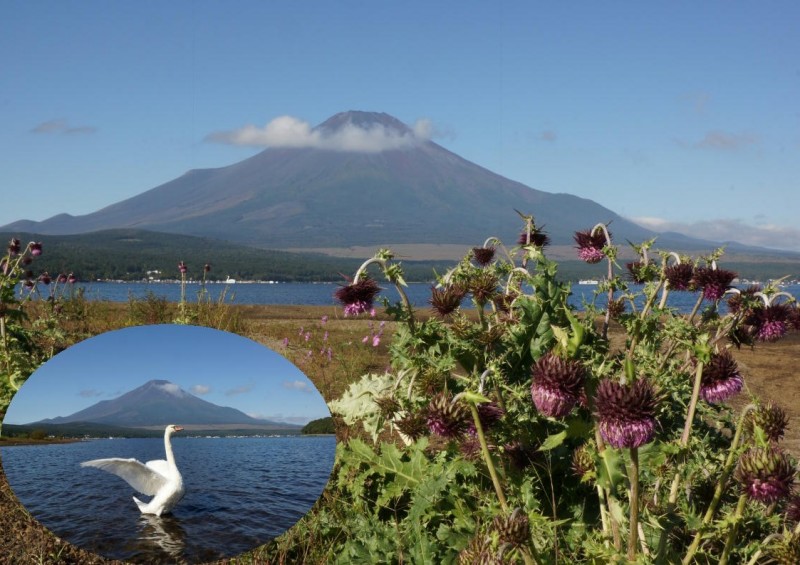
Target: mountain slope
{"x": 158, "y": 402}
{"x": 312, "y": 197}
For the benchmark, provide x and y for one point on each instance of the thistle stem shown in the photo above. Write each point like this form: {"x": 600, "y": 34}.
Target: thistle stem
{"x": 687, "y": 427}
{"x": 696, "y": 307}
{"x": 737, "y": 518}
{"x": 634, "y": 504}
{"x": 488, "y": 458}
{"x": 721, "y": 484}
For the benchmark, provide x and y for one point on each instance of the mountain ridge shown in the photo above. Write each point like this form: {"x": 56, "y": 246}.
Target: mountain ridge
{"x": 159, "y": 402}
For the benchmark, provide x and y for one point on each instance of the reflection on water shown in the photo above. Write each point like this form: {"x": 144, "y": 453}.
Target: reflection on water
{"x": 160, "y": 536}
{"x": 240, "y": 493}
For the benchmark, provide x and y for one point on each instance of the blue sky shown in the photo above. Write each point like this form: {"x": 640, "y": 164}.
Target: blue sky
{"x": 681, "y": 115}
{"x": 219, "y": 367}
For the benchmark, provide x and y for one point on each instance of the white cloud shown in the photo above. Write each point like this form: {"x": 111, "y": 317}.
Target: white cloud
{"x": 171, "y": 388}
{"x": 288, "y": 131}
{"x": 722, "y": 230}
{"x": 200, "y": 389}
{"x": 722, "y": 141}
{"x": 62, "y": 127}
{"x": 302, "y": 386}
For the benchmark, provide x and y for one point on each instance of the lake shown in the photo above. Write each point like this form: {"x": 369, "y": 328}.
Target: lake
{"x": 321, "y": 294}
{"x": 240, "y": 493}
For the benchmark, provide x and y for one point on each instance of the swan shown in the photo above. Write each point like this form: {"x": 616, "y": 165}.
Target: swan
{"x": 160, "y": 479}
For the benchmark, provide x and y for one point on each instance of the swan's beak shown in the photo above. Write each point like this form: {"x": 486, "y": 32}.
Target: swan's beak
{"x": 178, "y": 429}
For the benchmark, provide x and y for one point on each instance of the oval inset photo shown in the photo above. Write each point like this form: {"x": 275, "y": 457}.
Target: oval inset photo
{"x": 181, "y": 444}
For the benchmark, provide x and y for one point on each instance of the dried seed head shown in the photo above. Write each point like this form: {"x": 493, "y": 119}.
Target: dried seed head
{"x": 483, "y": 255}
{"x": 446, "y": 300}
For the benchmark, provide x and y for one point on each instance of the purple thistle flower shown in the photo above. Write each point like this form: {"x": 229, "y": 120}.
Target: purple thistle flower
{"x": 446, "y": 418}
{"x": 45, "y": 279}
{"x": 713, "y": 282}
{"x": 182, "y": 267}
{"x": 771, "y": 322}
{"x": 483, "y": 255}
{"x": 679, "y": 276}
{"x": 766, "y": 474}
{"x": 590, "y": 247}
{"x": 721, "y": 378}
{"x": 358, "y": 297}
{"x": 626, "y": 412}
{"x": 14, "y": 247}
{"x": 556, "y": 384}
{"x": 36, "y": 248}
{"x": 72, "y": 279}
{"x": 62, "y": 278}
{"x": 206, "y": 267}
{"x": 745, "y": 299}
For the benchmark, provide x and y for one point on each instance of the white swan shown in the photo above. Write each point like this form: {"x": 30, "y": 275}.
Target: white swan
{"x": 160, "y": 479}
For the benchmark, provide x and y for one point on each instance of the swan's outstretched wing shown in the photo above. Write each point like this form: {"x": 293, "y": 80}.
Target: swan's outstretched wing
{"x": 159, "y": 466}
{"x": 141, "y": 477}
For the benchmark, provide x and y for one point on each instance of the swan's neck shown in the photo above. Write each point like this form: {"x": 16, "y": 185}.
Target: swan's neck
{"x": 168, "y": 449}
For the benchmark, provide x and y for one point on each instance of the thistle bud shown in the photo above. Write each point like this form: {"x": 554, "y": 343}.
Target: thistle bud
{"x": 556, "y": 385}
{"x": 765, "y": 473}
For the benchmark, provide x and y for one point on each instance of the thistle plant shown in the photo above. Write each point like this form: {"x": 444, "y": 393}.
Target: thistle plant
{"x": 492, "y": 422}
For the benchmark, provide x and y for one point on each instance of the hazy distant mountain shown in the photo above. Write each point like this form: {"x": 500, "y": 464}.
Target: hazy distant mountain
{"x": 312, "y": 197}
{"x": 159, "y": 402}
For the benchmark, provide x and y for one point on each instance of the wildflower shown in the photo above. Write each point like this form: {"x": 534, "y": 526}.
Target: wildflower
{"x": 770, "y": 418}
{"x": 36, "y": 248}
{"x": 307, "y": 336}
{"x": 324, "y": 319}
{"x": 62, "y": 278}
{"x": 765, "y": 473}
{"x": 14, "y": 247}
{"x": 445, "y": 417}
{"x": 483, "y": 255}
{"x": 446, "y": 300}
{"x": 376, "y": 340}
{"x": 365, "y": 339}
{"x": 358, "y": 297}
{"x": 285, "y": 342}
{"x": 721, "y": 378}
{"x": 556, "y": 385}
{"x": 771, "y": 322}
{"x": 72, "y": 279}
{"x": 330, "y": 354}
{"x": 182, "y": 268}
{"x": 590, "y": 247}
{"x": 325, "y": 336}
{"x": 626, "y": 412}
{"x": 45, "y": 279}
{"x": 713, "y": 282}
{"x": 679, "y": 276}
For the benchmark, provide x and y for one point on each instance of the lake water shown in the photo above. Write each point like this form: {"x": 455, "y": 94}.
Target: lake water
{"x": 321, "y": 294}
{"x": 240, "y": 493}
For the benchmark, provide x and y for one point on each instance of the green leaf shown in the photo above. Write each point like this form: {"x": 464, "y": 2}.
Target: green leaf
{"x": 553, "y": 441}
{"x": 610, "y": 469}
